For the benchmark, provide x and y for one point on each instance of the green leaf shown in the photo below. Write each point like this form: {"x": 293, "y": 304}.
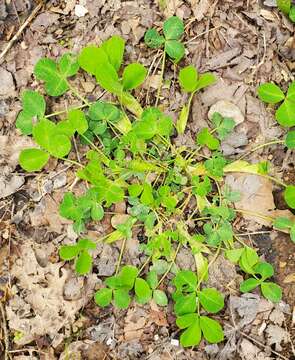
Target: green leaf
{"x": 24, "y": 123}
{"x": 175, "y": 50}
{"x": 185, "y": 281}
{"x": 271, "y": 291}
{"x": 206, "y": 80}
{"x": 145, "y": 129}
{"x": 153, "y": 39}
{"x": 92, "y": 58}
{"x": 68, "y": 65}
{"x": 201, "y": 188}
{"x": 147, "y": 197}
{"x": 152, "y": 279}
{"x": 291, "y": 89}
{"x": 248, "y": 260}
{"x": 264, "y": 269}
{"x": 133, "y": 76}
{"x": 289, "y": 196}
{"x": 282, "y": 223}
{"x": 185, "y": 304}
{"x": 78, "y": 121}
{"x": 234, "y": 254}
{"x": 107, "y": 78}
{"x": 135, "y": 190}
{"x": 187, "y": 320}
{"x": 127, "y": 276}
{"x": 68, "y": 252}
{"x": 290, "y": 139}
{"x": 173, "y": 28}
{"x": 270, "y": 93}
{"x": 182, "y": 120}
{"x": 43, "y": 132}
{"x": 55, "y": 82}
{"x": 285, "y": 114}
{"x": 121, "y": 298}
{"x": 103, "y": 297}
{"x": 165, "y": 125}
{"x": 188, "y": 78}
{"x": 292, "y": 233}
{"x": 211, "y": 330}
{"x": 114, "y": 194}
{"x": 284, "y": 6}
{"x": 84, "y": 263}
{"x": 215, "y": 165}
{"x": 204, "y": 137}
{"x": 211, "y": 300}
{"x": 223, "y": 125}
{"x": 292, "y": 18}
{"x": 59, "y": 145}
{"x": 68, "y": 207}
{"x": 192, "y": 335}
{"x": 101, "y": 110}
{"x": 142, "y": 291}
{"x": 33, "y": 159}
{"x": 249, "y": 285}
{"x": 86, "y": 244}
{"x": 97, "y": 212}
{"x": 114, "y": 48}
{"x": 160, "y": 298}
{"x": 33, "y": 103}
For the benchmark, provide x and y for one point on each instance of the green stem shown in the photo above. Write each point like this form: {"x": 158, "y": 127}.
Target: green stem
{"x": 170, "y": 266}
{"x": 66, "y": 110}
{"x": 73, "y": 162}
{"x": 144, "y": 265}
{"x": 104, "y": 158}
{"x": 161, "y": 78}
{"x": 75, "y": 92}
{"x": 273, "y": 142}
{"x": 275, "y": 180}
{"x": 120, "y": 256}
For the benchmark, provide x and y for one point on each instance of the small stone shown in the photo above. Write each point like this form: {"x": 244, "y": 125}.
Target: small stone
{"x": 174, "y": 342}
{"x": 59, "y": 181}
{"x": 80, "y": 10}
{"x": 73, "y": 289}
{"x": 227, "y": 109}
{"x": 7, "y": 85}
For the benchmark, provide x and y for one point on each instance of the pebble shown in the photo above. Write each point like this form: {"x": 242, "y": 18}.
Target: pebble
{"x": 7, "y": 85}
{"x": 59, "y": 181}
{"x": 227, "y": 109}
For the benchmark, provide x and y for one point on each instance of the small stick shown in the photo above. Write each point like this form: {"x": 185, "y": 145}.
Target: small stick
{"x": 6, "y": 338}
{"x": 21, "y": 29}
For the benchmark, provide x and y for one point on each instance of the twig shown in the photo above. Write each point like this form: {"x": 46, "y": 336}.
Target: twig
{"x": 21, "y": 29}
{"x": 6, "y": 338}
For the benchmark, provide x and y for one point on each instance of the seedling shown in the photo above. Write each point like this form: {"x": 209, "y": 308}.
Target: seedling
{"x": 272, "y": 94}
{"x": 79, "y": 252}
{"x": 131, "y": 157}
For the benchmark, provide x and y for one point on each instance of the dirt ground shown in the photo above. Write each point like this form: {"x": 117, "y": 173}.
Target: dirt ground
{"x": 46, "y": 312}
